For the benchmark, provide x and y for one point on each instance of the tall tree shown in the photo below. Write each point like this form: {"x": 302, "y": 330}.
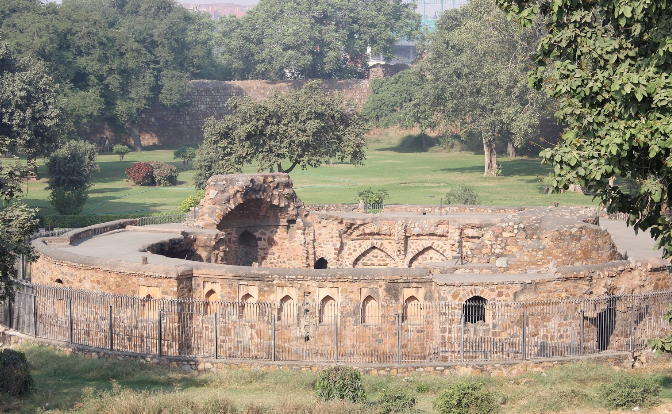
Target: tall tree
{"x": 29, "y": 121}
{"x": 477, "y": 70}
{"x": 299, "y": 39}
{"x": 607, "y": 62}
{"x": 303, "y": 128}
{"x": 71, "y": 169}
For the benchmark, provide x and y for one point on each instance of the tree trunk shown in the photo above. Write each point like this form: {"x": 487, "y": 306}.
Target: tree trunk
{"x": 135, "y": 134}
{"x": 510, "y": 149}
{"x": 490, "y": 158}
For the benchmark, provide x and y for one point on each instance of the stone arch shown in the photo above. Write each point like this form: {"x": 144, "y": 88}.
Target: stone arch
{"x": 412, "y": 313}
{"x": 370, "y": 311}
{"x": 414, "y": 253}
{"x": 248, "y": 308}
{"x": 286, "y": 310}
{"x": 211, "y": 296}
{"x": 247, "y": 251}
{"x": 328, "y": 310}
{"x": 321, "y": 263}
{"x": 473, "y": 309}
{"x": 374, "y": 256}
{"x": 59, "y": 281}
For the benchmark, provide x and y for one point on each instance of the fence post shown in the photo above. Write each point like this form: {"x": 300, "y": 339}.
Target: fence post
{"x": 35, "y": 315}
{"x": 10, "y": 311}
{"x": 111, "y": 331}
{"x": 336, "y": 339}
{"x": 398, "y": 338}
{"x": 632, "y": 328}
{"x": 214, "y": 321}
{"x": 273, "y": 336}
{"x": 581, "y": 333}
{"x": 462, "y": 321}
{"x": 160, "y": 331}
{"x": 70, "y": 328}
{"x": 524, "y": 335}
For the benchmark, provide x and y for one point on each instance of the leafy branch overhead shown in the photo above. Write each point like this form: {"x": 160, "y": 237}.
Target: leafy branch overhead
{"x": 607, "y": 64}
{"x": 298, "y": 128}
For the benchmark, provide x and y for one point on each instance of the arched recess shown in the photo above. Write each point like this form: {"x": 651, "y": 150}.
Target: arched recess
{"x": 321, "y": 263}
{"x": 248, "y": 308}
{"x": 428, "y": 254}
{"x": 473, "y": 309}
{"x": 412, "y": 313}
{"x": 442, "y": 248}
{"x": 210, "y": 296}
{"x": 248, "y": 249}
{"x": 287, "y": 310}
{"x": 370, "y": 311}
{"x": 59, "y": 281}
{"x": 373, "y": 257}
{"x": 328, "y": 310}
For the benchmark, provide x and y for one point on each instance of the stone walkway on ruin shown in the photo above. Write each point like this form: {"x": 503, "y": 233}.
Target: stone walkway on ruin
{"x": 126, "y": 245}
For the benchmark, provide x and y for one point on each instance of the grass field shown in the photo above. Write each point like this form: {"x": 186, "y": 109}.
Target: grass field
{"x": 76, "y": 384}
{"x": 409, "y": 174}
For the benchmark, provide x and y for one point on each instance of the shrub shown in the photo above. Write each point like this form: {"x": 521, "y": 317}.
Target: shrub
{"x": 395, "y": 401}
{"x": 373, "y": 197}
{"x": 164, "y": 174}
{"x": 121, "y": 150}
{"x": 186, "y": 154}
{"x": 467, "y": 397}
{"x": 15, "y": 376}
{"x": 422, "y": 388}
{"x": 630, "y": 391}
{"x": 72, "y": 166}
{"x": 191, "y": 201}
{"x": 141, "y": 173}
{"x": 68, "y": 202}
{"x": 464, "y": 194}
{"x": 340, "y": 382}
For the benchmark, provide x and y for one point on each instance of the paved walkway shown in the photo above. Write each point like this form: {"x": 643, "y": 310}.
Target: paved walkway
{"x": 637, "y": 246}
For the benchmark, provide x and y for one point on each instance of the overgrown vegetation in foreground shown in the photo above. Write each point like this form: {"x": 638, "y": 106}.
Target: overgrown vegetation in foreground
{"x": 75, "y": 384}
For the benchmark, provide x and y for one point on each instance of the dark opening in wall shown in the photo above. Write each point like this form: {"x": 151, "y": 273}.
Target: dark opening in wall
{"x": 321, "y": 263}
{"x": 474, "y": 309}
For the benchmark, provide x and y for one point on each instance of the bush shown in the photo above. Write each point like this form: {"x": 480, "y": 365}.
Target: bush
{"x": 464, "y": 194}
{"x": 422, "y": 388}
{"x": 629, "y": 391}
{"x": 467, "y": 397}
{"x": 191, "y": 201}
{"x": 186, "y": 154}
{"x": 395, "y": 401}
{"x": 141, "y": 173}
{"x": 373, "y": 197}
{"x": 121, "y": 150}
{"x": 15, "y": 376}
{"x": 340, "y": 382}
{"x": 164, "y": 174}
{"x": 68, "y": 202}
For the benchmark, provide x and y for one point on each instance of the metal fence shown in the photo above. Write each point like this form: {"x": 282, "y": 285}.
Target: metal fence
{"x": 385, "y": 333}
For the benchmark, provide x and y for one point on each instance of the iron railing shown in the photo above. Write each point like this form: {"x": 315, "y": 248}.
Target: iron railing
{"x": 370, "y": 332}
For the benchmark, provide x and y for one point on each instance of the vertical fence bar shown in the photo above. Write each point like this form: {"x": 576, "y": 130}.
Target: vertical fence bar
{"x": 214, "y": 321}
{"x": 462, "y": 320}
{"x": 524, "y": 335}
{"x": 160, "y": 332}
{"x": 398, "y": 338}
{"x": 273, "y": 336}
{"x": 581, "y": 333}
{"x": 336, "y": 338}
{"x": 70, "y": 327}
{"x": 632, "y": 327}
{"x": 35, "y": 315}
{"x": 111, "y": 330}
{"x": 10, "y": 311}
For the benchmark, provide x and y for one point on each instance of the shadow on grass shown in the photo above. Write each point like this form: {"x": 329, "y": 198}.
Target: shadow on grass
{"x": 413, "y": 143}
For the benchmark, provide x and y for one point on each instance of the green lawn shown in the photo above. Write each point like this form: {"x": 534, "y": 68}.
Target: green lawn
{"x": 81, "y": 385}
{"x": 410, "y": 175}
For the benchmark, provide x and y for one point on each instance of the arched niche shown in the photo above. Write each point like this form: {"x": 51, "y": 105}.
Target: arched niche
{"x": 321, "y": 263}
{"x": 412, "y": 313}
{"x": 247, "y": 251}
{"x": 328, "y": 310}
{"x": 428, "y": 254}
{"x": 373, "y": 257}
{"x": 370, "y": 311}
{"x": 473, "y": 309}
{"x": 286, "y": 310}
{"x": 248, "y": 307}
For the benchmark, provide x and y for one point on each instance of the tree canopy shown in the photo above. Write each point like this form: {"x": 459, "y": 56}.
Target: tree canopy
{"x": 304, "y": 127}
{"x": 608, "y": 64}
{"x": 29, "y": 122}
{"x": 113, "y": 59}
{"x": 477, "y": 77}
{"x": 303, "y": 39}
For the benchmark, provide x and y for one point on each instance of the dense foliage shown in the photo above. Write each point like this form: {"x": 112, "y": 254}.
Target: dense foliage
{"x": 395, "y": 401}
{"x": 630, "y": 391}
{"x": 304, "y": 127}
{"x": 192, "y": 201}
{"x": 164, "y": 174}
{"x": 29, "y": 122}
{"x": 121, "y": 150}
{"x": 15, "y": 376}
{"x": 71, "y": 170}
{"x": 340, "y": 383}
{"x": 299, "y": 39}
{"x": 112, "y": 59}
{"x": 141, "y": 173}
{"x": 466, "y": 397}
{"x": 464, "y": 194}
{"x": 186, "y": 154}
{"x": 607, "y": 62}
